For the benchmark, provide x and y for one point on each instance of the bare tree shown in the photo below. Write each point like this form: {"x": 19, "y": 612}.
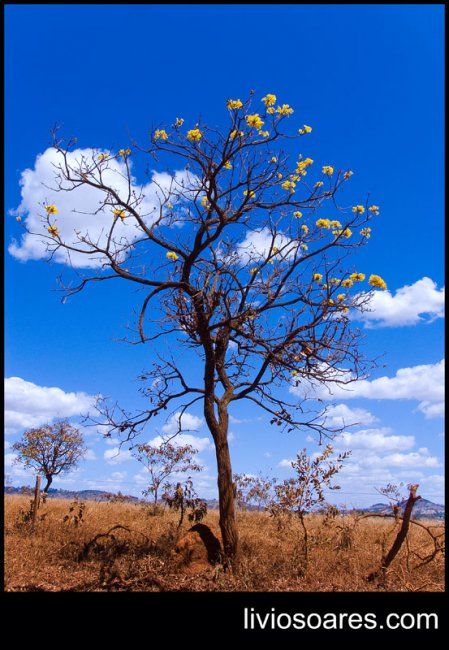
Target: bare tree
{"x": 51, "y": 449}
{"x": 254, "y": 283}
{"x": 163, "y": 461}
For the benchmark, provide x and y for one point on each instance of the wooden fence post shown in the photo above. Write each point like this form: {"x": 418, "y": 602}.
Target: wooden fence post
{"x": 37, "y": 497}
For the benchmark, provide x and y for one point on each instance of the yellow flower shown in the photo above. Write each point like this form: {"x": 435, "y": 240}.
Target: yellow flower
{"x": 304, "y": 247}
{"x": 124, "y": 152}
{"x": 227, "y": 165}
{"x": 357, "y": 277}
{"x": 335, "y": 281}
{"x": 264, "y": 134}
{"x": 318, "y": 184}
{"x": 323, "y": 223}
{"x": 317, "y": 277}
{"x": 324, "y": 286}
{"x": 271, "y": 110}
{"x": 335, "y": 224}
{"x": 331, "y": 302}
{"x": 269, "y": 99}
{"x": 288, "y": 185}
{"x": 285, "y": 109}
{"x": 347, "y": 232}
{"x": 194, "y": 135}
{"x": 347, "y": 174}
{"x": 347, "y": 283}
{"x": 53, "y": 230}
{"x": 119, "y": 213}
{"x": 275, "y": 250}
{"x": 103, "y": 156}
{"x": 205, "y": 202}
{"x": 305, "y": 129}
{"x": 294, "y": 177}
{"x": 234, "y": 104}
{"x": 302, "y": 165}
{"x": 294, "y": 373}
{"x": 341, "y": 297}
{"x": 234, "y": 134}
{"x": 250, "y": 193}
{"x": 358, "y": 209}
{"x": 160, "y": 134}
{"x": 254, "y": 270}
{"x": 169, "y": 206}
{"x": 274, "y": 159}
{"x": 171, "y": 255}
{"x": 377, "y": 282}
{"x": 366, "y": 232}
{"x": 374, "y": 209}
{"x": 279, "y": 175}
{"x": 327, "y": 169}
{"x": 297, "y": 214}
{"x": 254, "y": 121}
{"x": 179, "y": 122}
{"x": 345, "y": 310}
{"x": 305, "y": 229}
{"x": 51, "y": 209}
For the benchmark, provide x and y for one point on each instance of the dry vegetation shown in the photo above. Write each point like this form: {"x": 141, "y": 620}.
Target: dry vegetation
{"x": 67, "y": 552}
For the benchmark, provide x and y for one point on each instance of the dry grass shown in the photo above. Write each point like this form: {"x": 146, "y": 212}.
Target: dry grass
{"x": 137, "y": 556}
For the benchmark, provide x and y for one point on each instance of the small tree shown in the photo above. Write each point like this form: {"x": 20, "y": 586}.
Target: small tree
{"x": 253, "y": 490}
{"x": 164, "y": 461}
{"x": 51, "y": 449}
{"x": 304, "y": 493}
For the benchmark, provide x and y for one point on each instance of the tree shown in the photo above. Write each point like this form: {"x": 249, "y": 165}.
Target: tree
{"x": 254, "y": 283}
{"x": 163, "y": 461}
{"x": 253, "y": 490}
{"x": 51, "y": 449}
{"x": 304, "y": 493}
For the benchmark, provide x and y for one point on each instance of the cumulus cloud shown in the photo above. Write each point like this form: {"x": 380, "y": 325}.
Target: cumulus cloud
{"x": 343, "y": 416}
{"x": 424, "y": 383}
{"x": 29, "y": 405}
{"x": 257, "y": 244}
{"x": 117, "y": 455}
{"x": 80, "y": 209}
{"x": 411, "y": 304}
{"x": 379, "y": 440}
{"x": 185, "y": 422}
{"x": 201, "y": 444}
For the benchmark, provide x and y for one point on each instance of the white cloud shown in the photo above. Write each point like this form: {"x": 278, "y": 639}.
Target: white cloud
{"x": 378, "y": 440}
{"x": 424, "y": 383}
{"x": 201, "y": 444}
{"x": 90, "y": 454}
{"x": 76, "y": 208}
{"x": 188, "y": 422}
{"x": 341, "y": 416}
{"x": 116, "y": 455}
{"x": 257, "y": 244}
{"x": 286, "y": 462}
{"x": 29, "y": 405}
{"x": 411, "y": 304}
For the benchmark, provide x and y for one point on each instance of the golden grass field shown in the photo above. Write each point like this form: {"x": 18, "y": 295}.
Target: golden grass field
{"x": 139, "y": 557}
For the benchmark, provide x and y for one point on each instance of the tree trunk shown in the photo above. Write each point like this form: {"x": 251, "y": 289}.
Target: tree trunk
{"x": 228, "y": 525}
{"x": 49, "y": 478}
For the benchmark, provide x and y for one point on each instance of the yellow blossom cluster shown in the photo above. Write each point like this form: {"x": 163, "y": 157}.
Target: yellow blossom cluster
{"x": 357, "y": 277}
{"x": 297, "y": 214}
{"x": 227, "y": 165}
{"x": 323, "y": 223}
{"x": 160, "y": 134}
{"x": 305, "y": 129}
{"x": 374, "y": 209}
{"x": 194, "y": 135}
{"x": 318, "y": 184}
{"x": 347, "y": 283}
{"x": 171, "y": 255}
{"x": 347, "y": 232}
{"x": 178, "y": 122}
{"x": 274, "y": 159}
{"x": 317, "y": 277}
{"x": 358, "y": 209}
{"x": 289, "y": 185}
{"x": 377, "y": 282}
{"x": 205, "y": 202}
{"x": 254, "y": 121}
{"x": 335, "y": 281}
{"x": 234, "y": 134}
{"x": 102, "y": 157}
{"x": 285, "y": 109}
{"x": 269, "y": 100}
{"x": 53, "y": 230}
{"x": 119, "y": 213}
{"x": 301, "y": 166}
{"x": 335, "y": 224}
{"x": 341, "y": 297}
{"x": 304, "y": 247}
{"x": 327, "y": 169}
{"x": 254, "y": 270}
{"x": 51, "y": 209}
{"x": 250, "y": 193}
{"x": 366, "y": 232}
{"x": 264, "y": 134}
{"x": 124, "y": 153}
{"x": 305, "y": 229}
{"x": 234, "y": 104}
{"x": 347, "y": 174}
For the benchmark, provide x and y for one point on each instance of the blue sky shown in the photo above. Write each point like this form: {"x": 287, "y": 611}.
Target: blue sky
{"x": 370, "y": 81}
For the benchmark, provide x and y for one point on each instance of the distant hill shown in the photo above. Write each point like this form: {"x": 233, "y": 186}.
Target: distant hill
{"x": 423, "y": 509}
{"x": 82, "y": 495}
